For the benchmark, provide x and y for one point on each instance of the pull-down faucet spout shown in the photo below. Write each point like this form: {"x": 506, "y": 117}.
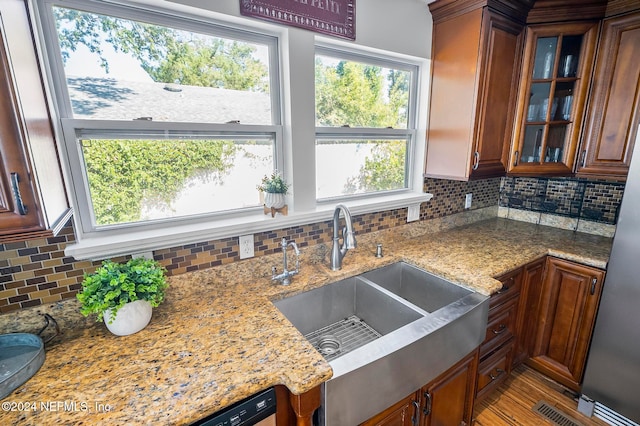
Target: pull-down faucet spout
{"x": 348, "y": 236}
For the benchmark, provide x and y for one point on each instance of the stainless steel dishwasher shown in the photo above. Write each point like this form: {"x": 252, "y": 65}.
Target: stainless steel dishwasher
{"x": 257, "y": 410}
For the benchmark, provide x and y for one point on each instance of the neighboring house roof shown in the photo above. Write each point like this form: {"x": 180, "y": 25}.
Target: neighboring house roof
{"x": 111, "y": 99}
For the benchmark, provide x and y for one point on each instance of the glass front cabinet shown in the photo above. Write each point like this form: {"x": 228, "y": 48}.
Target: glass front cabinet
{"x": 557, "y": 66}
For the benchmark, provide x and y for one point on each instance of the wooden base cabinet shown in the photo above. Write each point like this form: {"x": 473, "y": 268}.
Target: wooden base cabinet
{"x": 565, "y": 312}
{"x": 531, "y": 282}
{"x": 403, "y": 413}
{"x": 446, "y": 401}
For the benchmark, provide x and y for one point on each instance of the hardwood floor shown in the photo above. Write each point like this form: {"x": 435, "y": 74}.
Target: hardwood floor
{"x": 512, "y": 403}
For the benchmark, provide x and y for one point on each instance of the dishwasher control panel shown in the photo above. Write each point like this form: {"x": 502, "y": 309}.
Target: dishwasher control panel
{"x": 244, "y": 413}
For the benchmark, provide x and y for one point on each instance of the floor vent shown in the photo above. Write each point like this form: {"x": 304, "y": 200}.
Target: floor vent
{"x": 554, "y": 415}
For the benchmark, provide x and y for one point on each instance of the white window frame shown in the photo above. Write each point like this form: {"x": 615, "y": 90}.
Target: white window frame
{"x": 369, "y": 133}
{"x": 143, "y": 237}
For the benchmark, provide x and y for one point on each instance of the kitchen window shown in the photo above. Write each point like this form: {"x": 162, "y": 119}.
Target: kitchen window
{"x": 163, "y": 117}
{"x": 169, "y": 118}
{"x": 365, "y": 123}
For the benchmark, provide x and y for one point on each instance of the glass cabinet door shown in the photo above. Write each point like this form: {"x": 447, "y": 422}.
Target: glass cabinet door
{"x": 553, "y": 75}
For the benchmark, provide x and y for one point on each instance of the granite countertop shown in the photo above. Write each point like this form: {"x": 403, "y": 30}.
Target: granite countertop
{"x": 218, "y": 338}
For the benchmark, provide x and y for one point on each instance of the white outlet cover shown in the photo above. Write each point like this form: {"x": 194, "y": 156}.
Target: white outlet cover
{"x": 413, "y": 213}
{"x": 467, "y": 201}
{"x": 246, "y": 246}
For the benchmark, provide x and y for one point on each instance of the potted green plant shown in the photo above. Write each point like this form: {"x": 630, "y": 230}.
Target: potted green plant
{"x": 123, "y": 294}
{"x": 274, "y": 188}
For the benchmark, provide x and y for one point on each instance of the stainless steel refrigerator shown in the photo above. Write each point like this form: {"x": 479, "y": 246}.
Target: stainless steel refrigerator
{"x": 611, "y": 386}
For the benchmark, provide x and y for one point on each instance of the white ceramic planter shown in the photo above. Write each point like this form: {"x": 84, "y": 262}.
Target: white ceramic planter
{"x": 131, "y": 318}
{"x": 276, "y": 201}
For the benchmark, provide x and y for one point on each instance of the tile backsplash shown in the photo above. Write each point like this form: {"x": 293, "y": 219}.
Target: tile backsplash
{"x": 592, "y": 200}
{"x": 37, "y": 272}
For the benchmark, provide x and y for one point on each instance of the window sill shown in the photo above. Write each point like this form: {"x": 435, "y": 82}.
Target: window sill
{"x": 96, "y": 247}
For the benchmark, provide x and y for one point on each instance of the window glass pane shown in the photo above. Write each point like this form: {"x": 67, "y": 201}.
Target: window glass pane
{"x": 121, "y": 69}
{"x": 133, "y": 180}
{"x": 346, "y": 167}
{"x": 357, "y": 94}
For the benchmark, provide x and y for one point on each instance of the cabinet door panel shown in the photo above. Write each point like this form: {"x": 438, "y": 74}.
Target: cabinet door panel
{"x": 448, "y": 400}
{"x": 15, "y": 183}
{"x": 613, "y": 109}
{"x": 568, "y": 302}
{"x": 532, "y": 277}
{"x": 399, "y": 414}
{"x": 498, "y": 95}
{"x": 558, "y": 60}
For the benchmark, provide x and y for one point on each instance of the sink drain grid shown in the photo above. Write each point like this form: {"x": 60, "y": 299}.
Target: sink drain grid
{"x": 342, "y": 337}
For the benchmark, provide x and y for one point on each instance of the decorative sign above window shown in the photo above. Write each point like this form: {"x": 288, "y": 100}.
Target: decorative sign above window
{"x": 332, "y": 17}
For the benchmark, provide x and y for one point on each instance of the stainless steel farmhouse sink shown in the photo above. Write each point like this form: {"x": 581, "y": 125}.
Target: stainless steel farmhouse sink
{"x": 423, "y": 289}
{"x": 385, "y": 334}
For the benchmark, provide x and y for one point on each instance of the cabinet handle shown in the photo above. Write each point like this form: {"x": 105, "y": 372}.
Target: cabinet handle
{"x": 415, "y": 420}
{"x": 15, "y": 179}
{"x": 594, "y": 282}
{"x": 476, "y": 160}
{"x": 501, "y": 329}
{"x": 427, "y": 406}
{"x": 500, "y": 372}
{"x": 584, "y": 158}
{"x": 515, "y": 159}
{"x": 503, "y": 290}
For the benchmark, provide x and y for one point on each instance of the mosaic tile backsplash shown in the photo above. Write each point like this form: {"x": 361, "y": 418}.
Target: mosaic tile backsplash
{"x": 597, "y": 201}
{"x": 36, "y": 272}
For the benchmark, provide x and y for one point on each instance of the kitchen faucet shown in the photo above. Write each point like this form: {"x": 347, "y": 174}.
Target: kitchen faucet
{"x": 286, "y": 275}
{"x": 348, "y": 237}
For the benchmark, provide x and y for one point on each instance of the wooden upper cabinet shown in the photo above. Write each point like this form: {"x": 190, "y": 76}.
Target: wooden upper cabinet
{"x": 475, "y": 67}
{"x": 33, "y": 202}
{"x": 614, "y": 112}
{"x": 558, "y": 61}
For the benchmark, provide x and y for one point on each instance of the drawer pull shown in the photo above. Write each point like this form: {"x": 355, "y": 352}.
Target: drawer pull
{"x": 416, "y": 419}
{"x": 504, "y": 289}
{"x": 499, "y": 372}
{"x": 427, "y": 406}
{"x": 501, "y": 329}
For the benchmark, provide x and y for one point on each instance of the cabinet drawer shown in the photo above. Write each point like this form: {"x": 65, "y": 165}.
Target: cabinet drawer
{"x": 511, "y": 283}
{"x": 493, "y": 371}
{"x": 501, "y": 327}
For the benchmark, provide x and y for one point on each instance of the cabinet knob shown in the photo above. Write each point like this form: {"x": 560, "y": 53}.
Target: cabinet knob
{"x": 15, "y": 180}
{"x": 499, "y": 372}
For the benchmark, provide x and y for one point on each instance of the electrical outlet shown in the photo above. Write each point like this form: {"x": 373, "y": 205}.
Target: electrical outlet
{"x": 413, "y": 213}
{"x": 467, "y": 201}
{"x": 246, "y": 246}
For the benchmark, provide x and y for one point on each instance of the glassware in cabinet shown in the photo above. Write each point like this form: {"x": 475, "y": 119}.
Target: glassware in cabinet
{"x": 558, "y": 63}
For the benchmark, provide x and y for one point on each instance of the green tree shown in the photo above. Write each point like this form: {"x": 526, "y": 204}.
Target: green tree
{"x": 125, "y": 173}
{"x": 356, "y": 94}
{"x": 168, "y": 55}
